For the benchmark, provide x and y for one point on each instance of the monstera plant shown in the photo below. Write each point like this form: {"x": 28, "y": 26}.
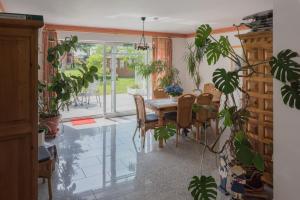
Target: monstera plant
{"x": 283, "y": 68}
{"x": 56, "y": 95}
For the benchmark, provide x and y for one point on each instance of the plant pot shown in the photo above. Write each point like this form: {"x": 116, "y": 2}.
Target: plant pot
{"x": 238, "y": 181}
{"x": 254, "y": 182}
{"x": 197, "y": 92}
{"x": 41, "y": 137}
{"x": 52, "y": 124}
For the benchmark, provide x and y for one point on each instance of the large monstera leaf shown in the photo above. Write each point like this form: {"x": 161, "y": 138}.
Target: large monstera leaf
{"x": 203, "y": 188}
{"x": 226, "y": 82}
{"x": 202, "y": 35}
{"x": 213, "y": 53}
{"x": 284, "y": 68}
{"x": 217, "y": 49}
{"x": 291, "y": 94}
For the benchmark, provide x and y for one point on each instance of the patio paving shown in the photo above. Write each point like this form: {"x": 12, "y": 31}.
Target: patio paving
{"x": 124, "y": 104}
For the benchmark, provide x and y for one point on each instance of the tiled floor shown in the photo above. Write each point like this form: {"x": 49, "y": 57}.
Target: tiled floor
{"x": 101, "y": 161}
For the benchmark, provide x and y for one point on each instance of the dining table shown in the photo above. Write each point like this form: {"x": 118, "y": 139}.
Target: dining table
{"x": 162, "y": 106}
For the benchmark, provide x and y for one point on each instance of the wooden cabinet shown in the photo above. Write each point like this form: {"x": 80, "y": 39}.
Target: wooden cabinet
{"x": 18, "y": 109}
{"x": 259, "y": 48}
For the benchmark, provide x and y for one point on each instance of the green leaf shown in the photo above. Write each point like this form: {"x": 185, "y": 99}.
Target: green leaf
{"x": 226, "y": 114}
{"x": 258, "y": 162}
{"x": 226, "y": 82}
{"x": 291, "y": 95}
{"x": 203, "y": 188}
{"x": 164, "y": 132}
{"x": 224, "y": 45}
{"x": 202, "y": 35}
{"x": 283, "y": 68}
{"x": 244, "y": 155}
{"x": 213, "y": 53}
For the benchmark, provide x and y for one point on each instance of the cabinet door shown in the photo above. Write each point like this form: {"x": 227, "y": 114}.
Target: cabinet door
{"x": 18, "y": 113}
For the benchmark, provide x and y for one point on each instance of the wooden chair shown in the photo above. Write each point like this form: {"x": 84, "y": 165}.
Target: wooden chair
{"x": 45, "y": 167}
{"x": 183, "y": 117}
{"x": 159, "y": 94}
{"x": 144, "y": 121}
{"x": 201, "y": 117}
{"x": 211, "y": 89}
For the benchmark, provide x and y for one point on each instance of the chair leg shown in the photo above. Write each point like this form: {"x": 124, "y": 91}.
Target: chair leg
{"x": 198, "y": 134}
{"x": 177, "y": 135}
{"x": 144, "y": 136}
{"x": 135, "y": 132}
{"x": 50, "y": 187}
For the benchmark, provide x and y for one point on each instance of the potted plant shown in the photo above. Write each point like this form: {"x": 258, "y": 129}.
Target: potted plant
{"x": 174, "y": 91}
{"x": 166, "y": 75}
{"x": 238, "y": 155}
{"x": 57, "y": 94}
{"x": 194, "y": 57}
{"x": 244, "y": 162}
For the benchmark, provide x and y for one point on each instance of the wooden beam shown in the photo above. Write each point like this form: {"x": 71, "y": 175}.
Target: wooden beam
{"x": 59, "y": 27}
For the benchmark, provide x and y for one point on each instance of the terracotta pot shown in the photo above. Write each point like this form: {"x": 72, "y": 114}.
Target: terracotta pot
{"x": 52, "y": 124}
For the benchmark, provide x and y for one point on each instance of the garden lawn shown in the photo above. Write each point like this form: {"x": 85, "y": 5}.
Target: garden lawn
{"x": 121, "y": 87}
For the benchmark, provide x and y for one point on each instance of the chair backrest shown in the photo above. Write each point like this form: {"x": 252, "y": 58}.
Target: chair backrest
{"x": 93, "y": 87}
{"x": 140, "y": 108}
{"x": 204, "y": 99}
{"x": 211, "y": 89}
{"x": 159, "y": 94}
{"x": 184, "y": 110}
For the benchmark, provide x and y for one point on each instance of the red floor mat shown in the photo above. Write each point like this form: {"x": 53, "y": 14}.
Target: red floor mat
{"x": 82, "y": 121}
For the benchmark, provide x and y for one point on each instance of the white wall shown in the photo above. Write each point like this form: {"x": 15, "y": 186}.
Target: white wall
{"x": 206, "y": 71}
{"x": 102, "y": 37}
{"x": 286, "y": 120}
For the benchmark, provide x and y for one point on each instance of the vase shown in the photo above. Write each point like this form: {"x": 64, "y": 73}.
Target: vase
{"x": 175, "y": 99}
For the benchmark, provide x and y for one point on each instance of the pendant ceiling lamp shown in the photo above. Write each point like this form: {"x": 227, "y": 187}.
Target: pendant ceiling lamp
{"x": 142, "y": 45}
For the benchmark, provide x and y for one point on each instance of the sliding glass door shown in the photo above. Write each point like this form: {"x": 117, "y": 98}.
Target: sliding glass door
{"x": 118, "y": 79}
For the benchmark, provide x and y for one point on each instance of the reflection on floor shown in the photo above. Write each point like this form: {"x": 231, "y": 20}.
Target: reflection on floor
{"x": 101, "y": 161}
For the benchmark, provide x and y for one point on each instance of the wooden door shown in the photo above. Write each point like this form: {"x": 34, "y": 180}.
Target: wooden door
{"x": 18, "y": 109}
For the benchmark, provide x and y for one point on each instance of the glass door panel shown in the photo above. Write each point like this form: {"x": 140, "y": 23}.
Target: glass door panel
{"x": 128, "y": 82}
{"x": 89, "y": 101}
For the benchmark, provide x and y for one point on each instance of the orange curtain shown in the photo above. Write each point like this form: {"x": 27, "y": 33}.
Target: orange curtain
{"x": 49, "y": 40}
{"x": 162, "y": 50}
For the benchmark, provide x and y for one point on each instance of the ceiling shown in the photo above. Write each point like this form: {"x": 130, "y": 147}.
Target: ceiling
{"x": 177, "y": 16}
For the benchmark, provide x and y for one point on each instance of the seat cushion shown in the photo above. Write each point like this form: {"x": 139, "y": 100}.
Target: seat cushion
{"x": 151, "y": 117}
{"x": 43, "y": 154}
{"x": 171, "y": 116}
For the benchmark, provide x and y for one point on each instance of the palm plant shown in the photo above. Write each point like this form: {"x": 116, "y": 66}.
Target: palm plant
{"x": 194, "y": 58}
{"x": 166, "y": 75}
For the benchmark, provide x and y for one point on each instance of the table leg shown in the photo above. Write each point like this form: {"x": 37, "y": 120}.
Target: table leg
{"x": 160, "y": 123}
